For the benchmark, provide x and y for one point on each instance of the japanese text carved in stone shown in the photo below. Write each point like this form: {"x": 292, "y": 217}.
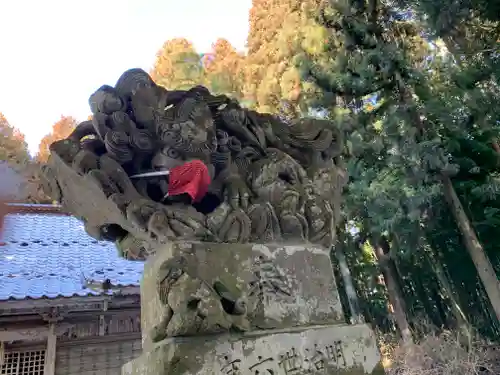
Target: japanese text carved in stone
{"x": 310, "y": 360}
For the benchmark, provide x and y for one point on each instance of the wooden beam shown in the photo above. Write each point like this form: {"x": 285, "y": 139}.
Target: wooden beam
{"x": 36, "y": 318}
{"x": 50, "y": 353}
{"x": 28, "y": 318}
{"x": 31, "y": 333}
{"x": 24, "y": 208}
{"x": 121, "y": 337}
{"x": 129, "y": 296}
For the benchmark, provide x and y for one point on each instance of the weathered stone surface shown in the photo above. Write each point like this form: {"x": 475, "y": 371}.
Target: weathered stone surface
{"x": 340, "y": 349}
{"x": 281, "y": 286}
{"x": 271, "y": 180}
{"x": 191, "y": 181}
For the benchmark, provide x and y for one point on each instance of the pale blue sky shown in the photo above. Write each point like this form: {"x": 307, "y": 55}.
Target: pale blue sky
{"x": 55, "y": 53}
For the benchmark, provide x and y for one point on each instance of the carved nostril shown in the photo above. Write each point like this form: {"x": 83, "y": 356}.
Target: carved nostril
{"x": 240, "y": 307}
{"x": 237, "y": 307}
{"x": 193, "y": 303}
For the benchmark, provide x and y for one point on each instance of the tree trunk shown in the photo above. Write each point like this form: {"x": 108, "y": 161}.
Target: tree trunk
{"x": 462, "y": 322}
{"x": 352, "y": 297}
{"x": 381, "y": 247}
{"x": 495, "y": 145}
{"x": 476, "y": 251}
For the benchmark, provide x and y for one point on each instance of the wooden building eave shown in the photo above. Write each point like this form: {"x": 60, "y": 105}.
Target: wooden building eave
{"x": 128, "y": 297}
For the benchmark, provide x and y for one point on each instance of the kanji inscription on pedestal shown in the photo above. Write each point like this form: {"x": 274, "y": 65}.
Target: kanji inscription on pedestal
{"x": 309, "y": 360}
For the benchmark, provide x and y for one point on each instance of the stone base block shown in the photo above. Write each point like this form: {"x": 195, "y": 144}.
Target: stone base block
{"x": 284, "y": 286}
{"x": 332, "y": 349}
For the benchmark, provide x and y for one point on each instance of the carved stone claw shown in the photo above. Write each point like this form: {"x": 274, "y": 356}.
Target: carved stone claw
{"x": 236, "y": 193}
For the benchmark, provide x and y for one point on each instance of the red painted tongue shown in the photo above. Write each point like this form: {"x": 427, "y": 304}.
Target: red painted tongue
{"x": 190, "y": 178}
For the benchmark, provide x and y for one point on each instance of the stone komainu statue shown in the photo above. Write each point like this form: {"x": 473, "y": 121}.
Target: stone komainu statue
{"x": 154, "y": 166}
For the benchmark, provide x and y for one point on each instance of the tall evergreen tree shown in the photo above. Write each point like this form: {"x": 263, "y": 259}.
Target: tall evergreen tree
{"x": 278, "y": 32}
{"x": 379, "y": 51}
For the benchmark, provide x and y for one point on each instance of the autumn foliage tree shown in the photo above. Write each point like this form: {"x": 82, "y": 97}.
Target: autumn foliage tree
{"x": 177, "y": 65}
{"x": 223, "y": 69}
{"x": 18, "y": 172}
{"x": 60, "y": 130}
{"x": 14, "y": 157}
{"x": 278, "y": 33}
{"x": 13, "y": 147}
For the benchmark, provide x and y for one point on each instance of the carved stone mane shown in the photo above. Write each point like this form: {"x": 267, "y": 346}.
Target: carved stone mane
{"x": 270, "y": 180}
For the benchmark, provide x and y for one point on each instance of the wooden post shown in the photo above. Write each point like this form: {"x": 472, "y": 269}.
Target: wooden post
{"x": 50, "y": 353}
{"x": 2, "y": 353}
{"x": 102, "y": 320}
{"x": 102, "y": 325}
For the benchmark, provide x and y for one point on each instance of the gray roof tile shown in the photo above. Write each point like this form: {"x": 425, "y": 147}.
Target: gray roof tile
{"x": 47, "y": 255}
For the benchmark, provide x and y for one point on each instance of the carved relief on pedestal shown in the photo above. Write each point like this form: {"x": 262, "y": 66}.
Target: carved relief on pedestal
{"x": 204, "y": 288}
{"x": 268, "y": 281}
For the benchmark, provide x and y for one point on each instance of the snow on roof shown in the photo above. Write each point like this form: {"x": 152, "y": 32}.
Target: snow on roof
{"x": 47, "y": 255}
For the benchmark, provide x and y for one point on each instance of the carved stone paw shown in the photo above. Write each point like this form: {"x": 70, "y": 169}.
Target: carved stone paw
{"x": 236, "y": 192}
{"x": 265, "y": 223}
{"x": 187, "y": 223}
{"x": 164, "y": 223}
{"x": 229, "y": 225}
{"x": 321, "y": 221}
{"x": 294, "y": 226}
{"x": 139, "y": 213}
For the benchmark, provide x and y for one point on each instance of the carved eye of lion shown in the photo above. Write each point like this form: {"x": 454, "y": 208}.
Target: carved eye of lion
{"x": 172, "y": 153}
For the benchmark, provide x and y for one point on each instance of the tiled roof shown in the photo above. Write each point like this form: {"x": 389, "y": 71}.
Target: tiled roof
{"x": 45, "y": 255}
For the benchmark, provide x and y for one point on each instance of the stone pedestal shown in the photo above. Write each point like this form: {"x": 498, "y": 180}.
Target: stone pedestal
{"x": 247, "y": 309}
{"x": 331, "y": 349}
